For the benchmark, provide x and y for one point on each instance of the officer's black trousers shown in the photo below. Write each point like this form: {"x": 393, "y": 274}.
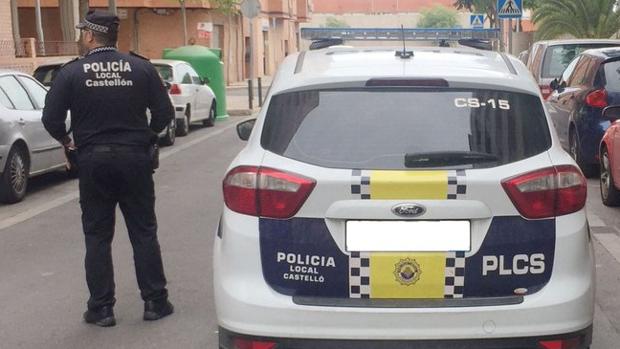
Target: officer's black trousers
{"x": 111, "y": 175}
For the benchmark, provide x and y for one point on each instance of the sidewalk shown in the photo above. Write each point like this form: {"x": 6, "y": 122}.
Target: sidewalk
{"x": 237, "y": 100}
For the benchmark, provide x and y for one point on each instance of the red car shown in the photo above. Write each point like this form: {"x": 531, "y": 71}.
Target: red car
{"x": 610, "y": 158}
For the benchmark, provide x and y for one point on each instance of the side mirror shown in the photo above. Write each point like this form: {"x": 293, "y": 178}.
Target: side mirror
{"x": 244, "y": 129}
{"x": 168, "y": 85}
{"x": 206, "y": 80}
{"x": 555, "y": 84}
{"x": 611, "y": 113}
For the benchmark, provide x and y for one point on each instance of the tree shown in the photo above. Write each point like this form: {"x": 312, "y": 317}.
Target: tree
{"x": 483, "y": 6}
{"x": 579, "y": 18}
{"x": 333, "y": 22}
{"x": 438, "y": 17}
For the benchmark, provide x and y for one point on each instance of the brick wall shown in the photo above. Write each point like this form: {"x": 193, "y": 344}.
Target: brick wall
{"x": 6, "y": 32}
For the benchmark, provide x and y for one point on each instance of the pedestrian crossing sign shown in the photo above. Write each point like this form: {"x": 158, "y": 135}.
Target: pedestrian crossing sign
{"x": 509, "y": 8}
{"x": 476, "y": 21}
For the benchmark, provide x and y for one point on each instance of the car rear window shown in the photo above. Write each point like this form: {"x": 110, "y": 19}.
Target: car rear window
{"x": 46, "y": 74}
{"x": 558, "y": 57}
{"x": 400, "y": 129}
{"x": 612, "y": 76}
{"x": 165, "y": 71}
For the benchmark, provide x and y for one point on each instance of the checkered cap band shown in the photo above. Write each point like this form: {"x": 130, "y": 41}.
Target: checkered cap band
{"x": 95, "y": 27}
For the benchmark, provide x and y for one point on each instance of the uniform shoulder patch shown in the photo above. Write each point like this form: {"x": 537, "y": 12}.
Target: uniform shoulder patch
{"x": 139, "y": 56}
{"x": 71, "y": 61}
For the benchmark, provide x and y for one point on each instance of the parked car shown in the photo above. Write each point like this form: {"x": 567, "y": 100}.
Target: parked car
{"x": 548, "y": 59}
{"x": 590, "y": 83}
{"x": 610, "y": 158}
{"x": 193, "y": 99}
{"x": 388, "y": 202}
{"x": 46, "y": 72}
{"x": 26, "y": 149}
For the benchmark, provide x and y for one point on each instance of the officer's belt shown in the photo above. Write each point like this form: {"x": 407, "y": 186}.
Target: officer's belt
{"x": 115, "y": 148}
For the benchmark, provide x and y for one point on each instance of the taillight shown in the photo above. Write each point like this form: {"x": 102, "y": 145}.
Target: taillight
{"x": 266, "y": 192}
{"x": 572, "y": 343}
{"x": 550, "y": 192}
{"x": 597, "y": 99}
{"x": 240, "y": 343}
{"x": 175, "y": 89}
{"x": 546, "y": 91}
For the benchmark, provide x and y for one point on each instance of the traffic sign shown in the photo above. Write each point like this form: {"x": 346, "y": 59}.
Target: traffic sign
{"x": 509, "y": 8}
{"x": 476, "y": 21}
{"x": 250, "y": 8}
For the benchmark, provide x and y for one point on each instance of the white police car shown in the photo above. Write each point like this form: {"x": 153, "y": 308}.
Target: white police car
{"x": 384, "y": 202}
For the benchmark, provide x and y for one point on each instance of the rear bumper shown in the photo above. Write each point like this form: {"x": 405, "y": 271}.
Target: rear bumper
{"x": 246, "y": 304}
{"x": 583, "y": 337}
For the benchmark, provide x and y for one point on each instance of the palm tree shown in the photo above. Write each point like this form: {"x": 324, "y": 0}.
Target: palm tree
{"x": 579, "y": 18}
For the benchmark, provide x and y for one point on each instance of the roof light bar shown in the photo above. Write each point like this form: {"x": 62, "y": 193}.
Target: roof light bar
{"x": 396, "y": 34}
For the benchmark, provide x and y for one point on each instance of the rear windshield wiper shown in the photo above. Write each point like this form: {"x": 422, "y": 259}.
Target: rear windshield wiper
{"x": 445, "y": 158}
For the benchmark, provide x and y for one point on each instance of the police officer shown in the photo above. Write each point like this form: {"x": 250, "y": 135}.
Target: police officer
{"x": 108, "y": 93}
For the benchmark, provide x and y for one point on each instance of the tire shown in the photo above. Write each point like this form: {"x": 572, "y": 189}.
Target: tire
{"x": 14, "y": 180}
{"x": 183, "y": 126}
{"x": 575, "y": 152}
{"x": 170, "y": 136}
{"x": 211, "y": 120}
{"x": 609, "y": 193}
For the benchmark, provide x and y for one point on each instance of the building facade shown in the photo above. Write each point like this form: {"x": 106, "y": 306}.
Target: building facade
{"x": 150, "y": 26}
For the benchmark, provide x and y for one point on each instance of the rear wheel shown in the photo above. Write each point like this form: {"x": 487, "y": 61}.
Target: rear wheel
{"x": 575, "y": 151}
{"x": 211, "y": 120}
{"x": 14, "y": 180}
{"x": 183, "y": 124}
{"x": 609, "y": 193}
{"x": 170, "y": 136}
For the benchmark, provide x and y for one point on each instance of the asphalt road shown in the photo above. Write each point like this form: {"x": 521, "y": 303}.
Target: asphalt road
{"x": 42, "y": 287}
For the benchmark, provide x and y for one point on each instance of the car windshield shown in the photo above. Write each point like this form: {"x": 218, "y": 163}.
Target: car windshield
{"x": 401, "y": 129}
{"x": 558, "y": 57}
{"x": 165, "y": 71}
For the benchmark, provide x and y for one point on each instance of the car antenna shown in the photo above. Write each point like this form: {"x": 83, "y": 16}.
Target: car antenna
{"x": 404, "y": 54}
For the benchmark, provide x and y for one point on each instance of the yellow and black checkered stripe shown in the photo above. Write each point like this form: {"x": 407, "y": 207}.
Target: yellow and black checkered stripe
{"x": 439, "y": 274}
{"x": 414, "y": 185}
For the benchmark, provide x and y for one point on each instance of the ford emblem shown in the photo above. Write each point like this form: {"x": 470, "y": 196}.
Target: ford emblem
{"x": 408, "y": 210}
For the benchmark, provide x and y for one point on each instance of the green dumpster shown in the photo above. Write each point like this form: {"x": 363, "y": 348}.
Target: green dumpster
{"x": 208, "y": 65}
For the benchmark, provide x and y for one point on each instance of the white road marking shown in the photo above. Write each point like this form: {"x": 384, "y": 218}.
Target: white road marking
{"x": 595, "y": 221}
{"x": 37, "y": 210}
{"x": 611, "y": 242}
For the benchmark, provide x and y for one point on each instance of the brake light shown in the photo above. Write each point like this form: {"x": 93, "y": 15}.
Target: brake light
{"x": 265, "y": 192}
{"x": 546, "y": 91}
{"x": 572, "y": 343}
{"x": 597, "y": 99}
{"x": 550, "y": 192}
{"x": 175, "y": 89}
{"x": 240, "y": 343}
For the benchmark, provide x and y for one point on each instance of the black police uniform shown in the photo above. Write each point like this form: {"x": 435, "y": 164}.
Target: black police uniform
{"x": 107, "y": 93}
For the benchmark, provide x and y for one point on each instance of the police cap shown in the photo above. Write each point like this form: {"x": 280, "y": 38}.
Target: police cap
{"x": 99, "y": 21}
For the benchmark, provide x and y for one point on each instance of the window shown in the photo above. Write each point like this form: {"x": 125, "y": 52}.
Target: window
{"x": 165, "y": 71}
{"x": 46, "y": 74}
{"x": 195, "y": 78}
{"x": 37, "y": 92}
{"x": 612, "y": 76}
{"x": 4, "y": 100}
{"x": 183, "y": 74}
{"x": 569, "y": 71}
{"x": 16, "y": 93}
{"x": 499, "y": 127}
{"x": 580, "y": 75}
{"x": 558, "y": 57}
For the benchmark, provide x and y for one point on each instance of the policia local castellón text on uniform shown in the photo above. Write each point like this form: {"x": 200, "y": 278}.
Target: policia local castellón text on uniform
{"x": 107, "y": 93}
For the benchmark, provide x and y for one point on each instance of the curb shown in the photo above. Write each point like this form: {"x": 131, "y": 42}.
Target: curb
{"x": 242, "y": 112}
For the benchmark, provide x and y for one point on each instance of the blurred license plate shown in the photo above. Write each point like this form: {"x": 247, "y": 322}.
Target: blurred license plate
{"x": 405, "y": 236}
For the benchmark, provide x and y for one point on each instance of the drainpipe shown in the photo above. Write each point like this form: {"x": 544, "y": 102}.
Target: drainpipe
{"x": 40, "y": 37}
{"x": 136, "y": 31}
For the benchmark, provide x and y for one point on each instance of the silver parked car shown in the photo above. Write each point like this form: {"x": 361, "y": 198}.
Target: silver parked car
{"x": 26, "y": 149}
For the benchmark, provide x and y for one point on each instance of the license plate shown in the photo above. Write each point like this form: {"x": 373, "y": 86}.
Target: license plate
{"x": 408, "y": 236}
